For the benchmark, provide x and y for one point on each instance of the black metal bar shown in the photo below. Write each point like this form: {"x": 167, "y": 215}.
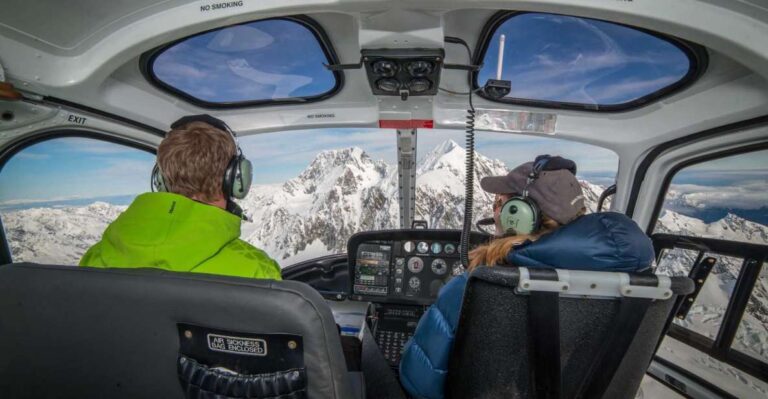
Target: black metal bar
{"x": 698, "y": 274}
{"x": 604, "y": 195}
{"x": 5, "y": 250}
{"x": 721, "y": 247}
{"x": 750, "y": 271}
{"x": 678, "y": 301}
{"x": 471, "y": 68}
{"x": 340, "y": 67}
{"x": 693, "y": 339}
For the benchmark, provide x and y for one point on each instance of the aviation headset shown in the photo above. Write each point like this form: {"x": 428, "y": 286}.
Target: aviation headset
{"x": 521, "y": 214}
{"x": 239, "y": 173}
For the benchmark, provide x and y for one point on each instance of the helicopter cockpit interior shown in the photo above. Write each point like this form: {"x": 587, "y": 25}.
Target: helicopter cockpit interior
{"x": 369, "y": 125}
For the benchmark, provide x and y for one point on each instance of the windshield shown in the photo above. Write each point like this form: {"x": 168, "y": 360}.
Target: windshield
{"x": 318, "y": 187}
{"x": 313, "y": 189}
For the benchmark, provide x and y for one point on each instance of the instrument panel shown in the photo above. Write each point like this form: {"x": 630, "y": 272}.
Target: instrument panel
{"x": 404, "y": 266}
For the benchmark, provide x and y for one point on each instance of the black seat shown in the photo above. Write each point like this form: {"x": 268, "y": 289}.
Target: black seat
{"x": 74, "y": 332}
{"x": 546, "y": 333}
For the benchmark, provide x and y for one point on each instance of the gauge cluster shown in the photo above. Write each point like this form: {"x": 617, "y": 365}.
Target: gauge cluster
{"x": 404, "y": 266}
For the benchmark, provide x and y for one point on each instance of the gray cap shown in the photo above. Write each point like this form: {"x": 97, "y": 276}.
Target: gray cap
{"x": 556, "y": 192}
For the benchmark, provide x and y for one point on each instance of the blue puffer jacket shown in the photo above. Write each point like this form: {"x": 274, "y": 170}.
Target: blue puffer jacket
{"x": 600, "y": 241}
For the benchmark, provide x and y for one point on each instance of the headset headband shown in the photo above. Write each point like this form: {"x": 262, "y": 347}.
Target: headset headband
{"x": 547, "y": 162}
{"x": 213, "y": 121}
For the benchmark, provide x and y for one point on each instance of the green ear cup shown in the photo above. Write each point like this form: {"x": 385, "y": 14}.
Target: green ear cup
{"x": 242, "y": 179}
{"x": 519, "y": 216}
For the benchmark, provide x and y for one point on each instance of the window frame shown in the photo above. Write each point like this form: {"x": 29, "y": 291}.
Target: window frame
{"x": 20, "y": 145}
{"x": 147, "y": 60}
{"x": 697, "y": 57}
{"x": 753, "y": 255}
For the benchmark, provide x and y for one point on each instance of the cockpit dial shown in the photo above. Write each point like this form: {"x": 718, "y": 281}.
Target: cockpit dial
{"x": 422, "y": 247}
{"x": 414, "y": 283}
{"x": 409, "y": 246}
{"x": 436, "y": 248}
{"x": 415, "y": 265}
{"x": 439, "y": 267}
{"x": 450, "y": 249}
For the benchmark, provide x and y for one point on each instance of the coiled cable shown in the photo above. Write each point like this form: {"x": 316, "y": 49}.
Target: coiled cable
{"x": 469, "y": 147}
{"x": 469, "y": 182}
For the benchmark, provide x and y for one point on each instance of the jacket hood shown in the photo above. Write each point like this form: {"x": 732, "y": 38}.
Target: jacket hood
{"x": 167, "y": 231}
{"x": 598, "y": 241}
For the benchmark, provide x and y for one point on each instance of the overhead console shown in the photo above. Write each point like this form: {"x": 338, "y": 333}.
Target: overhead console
{"x": 404, "y": 266}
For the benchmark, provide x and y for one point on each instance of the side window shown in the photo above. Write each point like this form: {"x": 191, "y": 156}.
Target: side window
{"x": 716, "y": 212}
{"x": 725, "y": 198}
{"x": 58, "y": 196}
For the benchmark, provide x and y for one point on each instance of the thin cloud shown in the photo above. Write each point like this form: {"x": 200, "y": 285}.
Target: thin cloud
{"x": 746, "y": 195}
{"x": 32, "y": 156}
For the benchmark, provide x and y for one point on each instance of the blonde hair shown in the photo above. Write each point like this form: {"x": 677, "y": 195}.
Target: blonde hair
{"x": 496, "y": 251}
{"x": 193, "y": 159}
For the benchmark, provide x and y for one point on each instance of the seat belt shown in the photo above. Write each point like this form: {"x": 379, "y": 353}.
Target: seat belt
{"x": 615, "y": 346}
{"x": 544, "y": 337}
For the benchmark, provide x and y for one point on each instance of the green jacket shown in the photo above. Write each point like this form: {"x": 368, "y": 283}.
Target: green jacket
{"x": 172, "y": 232}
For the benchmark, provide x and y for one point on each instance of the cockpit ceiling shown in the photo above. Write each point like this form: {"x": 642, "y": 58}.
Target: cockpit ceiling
{"x": 66, "y": 25}
{"x": 89, "y": 52}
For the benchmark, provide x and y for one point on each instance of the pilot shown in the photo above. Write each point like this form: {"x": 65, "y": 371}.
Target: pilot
{"x": 191, "y": 224}
{"x": 540, "y": 219}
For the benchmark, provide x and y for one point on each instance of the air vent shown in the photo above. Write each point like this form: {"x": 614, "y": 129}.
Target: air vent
{"x": 403, "y": 72}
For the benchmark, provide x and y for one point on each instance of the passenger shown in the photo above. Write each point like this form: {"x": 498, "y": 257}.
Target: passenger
{"x": 563, "y": 238}
{"x": 192, "y": 223}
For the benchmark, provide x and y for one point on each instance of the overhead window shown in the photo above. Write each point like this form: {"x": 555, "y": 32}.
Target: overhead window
{"x": 267, "y": 61}
{"x": 571, "y": 62}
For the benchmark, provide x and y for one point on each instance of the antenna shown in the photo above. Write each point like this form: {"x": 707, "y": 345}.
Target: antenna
{"x": 498, "y": 88}
{"x": 500, "y": 64}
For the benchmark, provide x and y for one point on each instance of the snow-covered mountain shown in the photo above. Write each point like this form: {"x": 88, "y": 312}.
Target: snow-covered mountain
{"x": 340, "y": 193}
{"x": 344, "y": 191}
{"x": 57, "y": 235}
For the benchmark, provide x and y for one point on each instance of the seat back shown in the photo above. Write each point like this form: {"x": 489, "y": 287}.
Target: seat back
{"x": 75, "y": 332}
{"x": 546, "y": 333}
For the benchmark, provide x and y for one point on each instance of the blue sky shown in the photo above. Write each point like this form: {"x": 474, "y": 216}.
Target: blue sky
{"x": 72, "y": 167}
{"x": 256, "y": 61}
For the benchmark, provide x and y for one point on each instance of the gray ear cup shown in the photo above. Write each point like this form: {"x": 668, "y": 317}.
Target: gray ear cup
{"x": 157, "y": 181}
{"x": 238, "y": 177}
{"x": 243, "y": 178}
{"x": 519, "y": 215}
